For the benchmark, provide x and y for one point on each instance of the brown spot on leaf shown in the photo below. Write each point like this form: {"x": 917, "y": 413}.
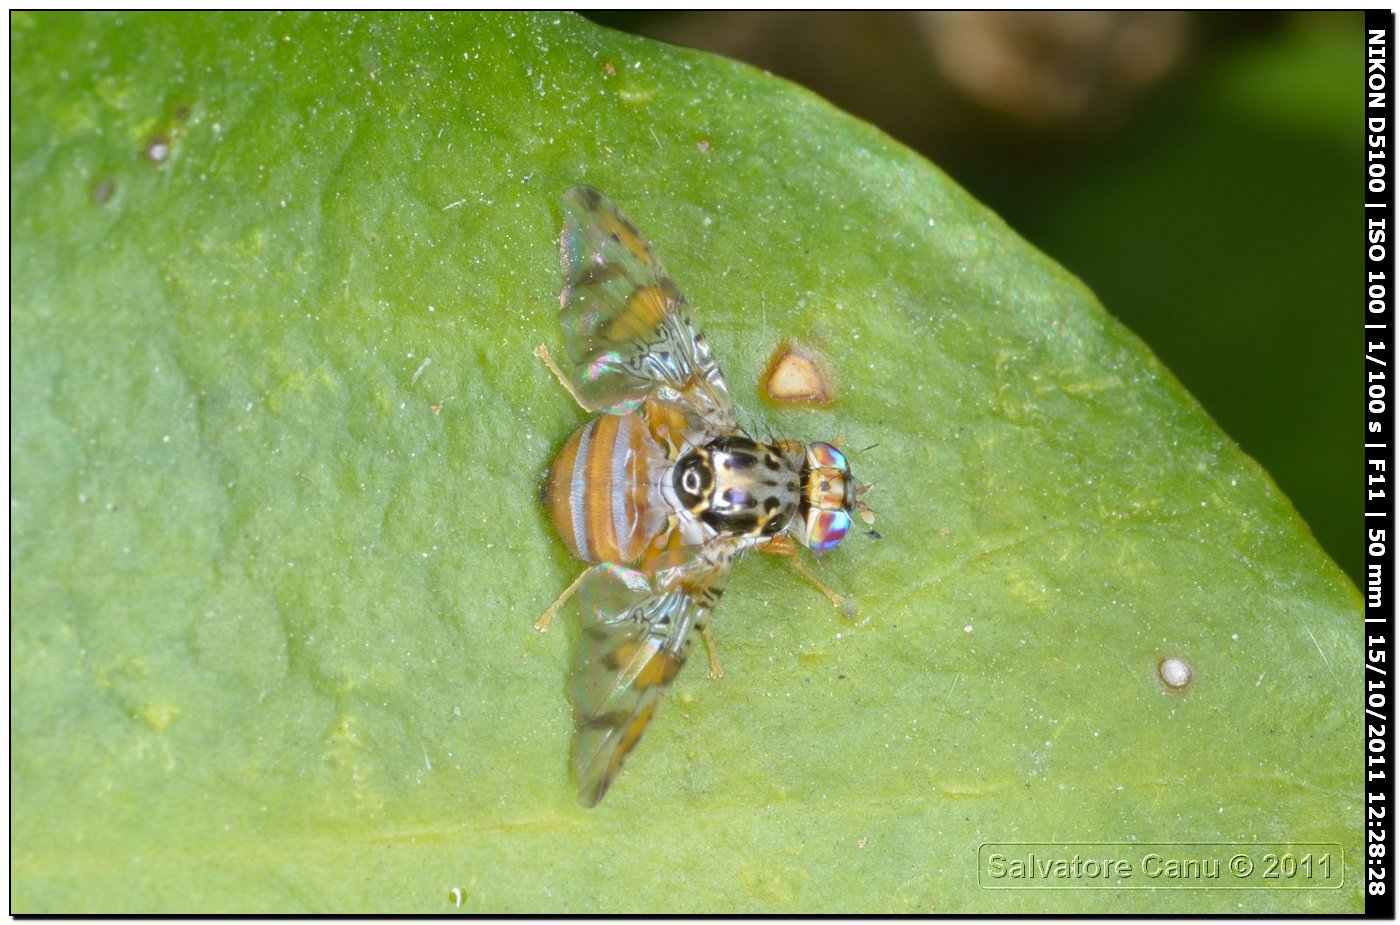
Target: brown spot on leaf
{"x": 797, "y": 376}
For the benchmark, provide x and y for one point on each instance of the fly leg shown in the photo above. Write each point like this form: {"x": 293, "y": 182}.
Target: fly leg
{"x": 543, "y": 353}
{"x": 543, "y": 622}
{"x": 716, "y": 669}
{"x": 787, "y": 548}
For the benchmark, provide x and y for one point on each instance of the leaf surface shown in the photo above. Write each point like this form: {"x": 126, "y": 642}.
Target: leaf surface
{"x": 276, "y": 549}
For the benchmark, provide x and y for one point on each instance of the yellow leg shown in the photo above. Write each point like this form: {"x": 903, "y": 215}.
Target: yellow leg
{"x": 785, "y": 547}
{"x": 543, "y": 622}
{"x": 543, "y": 353}
{"x": 716, "y": 669}
{"x": 806, "y": 573}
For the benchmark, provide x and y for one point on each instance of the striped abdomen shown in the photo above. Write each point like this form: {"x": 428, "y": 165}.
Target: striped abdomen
{"x": 597, "y": 491}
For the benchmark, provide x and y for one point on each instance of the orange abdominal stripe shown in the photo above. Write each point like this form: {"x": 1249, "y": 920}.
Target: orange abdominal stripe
{"x": 597, "y": 487}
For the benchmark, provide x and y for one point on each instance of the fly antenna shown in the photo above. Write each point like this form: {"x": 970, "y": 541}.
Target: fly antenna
{"x": 866, "y": 512}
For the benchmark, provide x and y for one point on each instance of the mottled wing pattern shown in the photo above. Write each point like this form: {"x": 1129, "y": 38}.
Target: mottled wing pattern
{"x": 626, "y": 325}
{"x": 637, "y": 632}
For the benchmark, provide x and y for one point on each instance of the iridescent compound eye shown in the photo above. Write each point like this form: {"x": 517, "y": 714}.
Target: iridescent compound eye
{"x": 826, "y": 529}
{"x": 826, "y": 456}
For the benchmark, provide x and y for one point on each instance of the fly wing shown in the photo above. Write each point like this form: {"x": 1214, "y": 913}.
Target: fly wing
{"x": 637, "y": 632}
{"x": 626, "y": 325}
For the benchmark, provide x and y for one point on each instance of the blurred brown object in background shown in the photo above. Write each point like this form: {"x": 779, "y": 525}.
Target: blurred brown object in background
{"x": 1055, "y": 70}
{"x": 945, "y": 81}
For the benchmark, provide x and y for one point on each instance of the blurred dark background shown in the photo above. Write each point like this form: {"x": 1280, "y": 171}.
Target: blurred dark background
{"x": 1201, "y": 172}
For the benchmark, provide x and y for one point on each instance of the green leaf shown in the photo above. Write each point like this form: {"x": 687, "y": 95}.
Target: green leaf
{"x": 277, "y": 440}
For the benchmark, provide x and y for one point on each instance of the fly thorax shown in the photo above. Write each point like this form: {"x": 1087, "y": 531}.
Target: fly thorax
{"x": 738, "y": 486}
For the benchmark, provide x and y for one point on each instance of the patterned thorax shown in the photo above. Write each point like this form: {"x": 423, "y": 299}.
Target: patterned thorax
{"x": 739, "y": 487}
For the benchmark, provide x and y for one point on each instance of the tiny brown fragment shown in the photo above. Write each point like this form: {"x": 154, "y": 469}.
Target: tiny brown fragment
{"x": 797, "y": 376}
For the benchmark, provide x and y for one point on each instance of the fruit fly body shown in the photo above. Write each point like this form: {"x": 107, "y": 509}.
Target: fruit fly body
{"x": 662, "y": 491}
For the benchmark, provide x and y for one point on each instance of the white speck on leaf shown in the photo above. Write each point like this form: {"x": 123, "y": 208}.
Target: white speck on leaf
{"x": 1175, "y": 672}
{"x": 419, "y": 372}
